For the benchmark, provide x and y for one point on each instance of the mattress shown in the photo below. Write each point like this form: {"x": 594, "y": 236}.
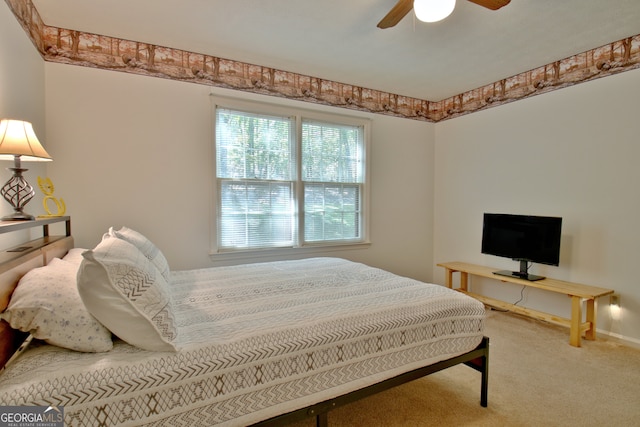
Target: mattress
{"x": 255, "y": 341}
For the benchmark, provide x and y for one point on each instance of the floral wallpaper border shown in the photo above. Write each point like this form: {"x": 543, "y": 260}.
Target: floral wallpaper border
{"x": 110, "y": 53}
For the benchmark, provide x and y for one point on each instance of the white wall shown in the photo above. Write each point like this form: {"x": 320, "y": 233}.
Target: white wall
{"x": 571, "y": 153}
{"x": 21, "y": 74}
{"x": 21, "y": 97}
{"x": 137, "y": 151}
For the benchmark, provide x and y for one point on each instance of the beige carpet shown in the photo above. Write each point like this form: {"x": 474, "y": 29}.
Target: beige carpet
{"x": 535, "y": 379}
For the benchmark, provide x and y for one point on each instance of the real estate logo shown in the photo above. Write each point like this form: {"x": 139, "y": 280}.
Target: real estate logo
{"x": 31, "y": 416}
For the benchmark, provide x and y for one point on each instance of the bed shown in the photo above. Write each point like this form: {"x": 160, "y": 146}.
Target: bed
{"x": 264, "y": 343}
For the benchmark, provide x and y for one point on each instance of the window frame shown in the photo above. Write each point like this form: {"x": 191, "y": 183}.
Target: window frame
{"x": 299, "y": 246}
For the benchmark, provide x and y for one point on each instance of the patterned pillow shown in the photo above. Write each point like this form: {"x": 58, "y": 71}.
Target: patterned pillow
{"x": 145, "y": 246}
{"x": 125, "y": 292}
{"x": 47, "y": 304}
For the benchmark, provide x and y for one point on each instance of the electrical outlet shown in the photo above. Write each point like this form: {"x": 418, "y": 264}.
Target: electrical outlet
{"x": 614, "y": 300}
{"x": 614, "y": 307}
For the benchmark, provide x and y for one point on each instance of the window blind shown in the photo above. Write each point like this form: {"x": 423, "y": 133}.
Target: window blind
{"x": 333, "y": 171}
{"x": 255, "y": 167}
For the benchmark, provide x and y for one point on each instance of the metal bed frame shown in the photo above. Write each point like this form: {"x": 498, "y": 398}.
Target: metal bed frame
{"x": 477, "y": 359}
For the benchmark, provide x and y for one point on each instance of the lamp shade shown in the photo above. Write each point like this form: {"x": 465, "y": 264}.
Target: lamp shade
{"x": 433, "y": 10}
{"x": 17, "y": 138}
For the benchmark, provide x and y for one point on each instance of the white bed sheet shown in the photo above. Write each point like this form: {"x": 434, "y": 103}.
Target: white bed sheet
{"x": 256, "y": 341}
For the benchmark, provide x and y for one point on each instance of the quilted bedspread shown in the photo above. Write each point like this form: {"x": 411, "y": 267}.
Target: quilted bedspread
{"x": 255, "y": 341}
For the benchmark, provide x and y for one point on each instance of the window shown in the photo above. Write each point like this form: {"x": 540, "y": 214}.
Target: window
{"x": 288, "y": 179}
{"x": 332, "y": 175}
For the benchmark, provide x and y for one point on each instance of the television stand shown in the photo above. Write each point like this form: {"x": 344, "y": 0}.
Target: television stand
{"x": 576, "y": 291}
{"x": 519, "y": 275}
{"x": 522, "y": 274}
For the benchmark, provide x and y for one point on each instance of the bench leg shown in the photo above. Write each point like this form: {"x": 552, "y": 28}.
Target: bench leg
{"x": 576, "y": 318}
{"x": 592, "y": 309}
{"x": 448, "y": 278}
{"x": 464, "y": 281}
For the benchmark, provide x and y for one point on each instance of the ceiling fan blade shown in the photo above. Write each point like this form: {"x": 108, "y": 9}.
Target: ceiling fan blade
{"x": 403, "y": 7}
{"x": 396, "y": 14}
{"x": 491, "y": 4}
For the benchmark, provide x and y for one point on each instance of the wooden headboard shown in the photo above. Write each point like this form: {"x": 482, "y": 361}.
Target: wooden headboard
{"x": 38, "y": 254}
{"x": 15, "y": 262}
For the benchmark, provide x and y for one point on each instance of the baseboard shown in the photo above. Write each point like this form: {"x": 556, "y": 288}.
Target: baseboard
{"x": 622, "y": 339}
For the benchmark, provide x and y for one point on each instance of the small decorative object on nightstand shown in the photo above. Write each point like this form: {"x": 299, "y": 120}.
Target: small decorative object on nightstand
{"x": 18, "y": 142}
{"x": 48, "y": 188}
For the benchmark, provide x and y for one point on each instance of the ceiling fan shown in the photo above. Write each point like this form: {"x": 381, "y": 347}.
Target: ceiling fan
{"x": 403, "y": 7}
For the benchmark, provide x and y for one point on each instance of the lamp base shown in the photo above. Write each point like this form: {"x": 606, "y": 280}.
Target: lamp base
{"x": 18, "y": 216}
{"x": 17, "y": 192}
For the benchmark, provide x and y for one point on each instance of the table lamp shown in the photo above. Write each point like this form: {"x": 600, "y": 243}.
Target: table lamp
{"x": 18, "y": 142}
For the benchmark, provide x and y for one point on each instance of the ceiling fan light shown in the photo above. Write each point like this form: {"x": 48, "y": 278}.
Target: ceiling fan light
{"x": 433, "y": 10}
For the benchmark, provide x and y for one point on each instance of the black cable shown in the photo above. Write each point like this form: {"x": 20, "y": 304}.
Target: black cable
{"x": 521, "y": 295}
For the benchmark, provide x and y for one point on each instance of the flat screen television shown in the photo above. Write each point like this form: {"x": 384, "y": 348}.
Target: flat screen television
{"x": 524, "y": 238}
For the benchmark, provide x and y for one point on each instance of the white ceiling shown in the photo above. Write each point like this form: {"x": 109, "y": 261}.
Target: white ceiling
{"x": 338, "y": 39}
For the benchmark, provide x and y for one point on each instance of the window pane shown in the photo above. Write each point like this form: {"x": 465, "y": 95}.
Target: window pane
{"x": 253, "y": 146}
{"x": 332, "y": 153}
{"x": 256, "y": 214}
{"x": 261, "y": 162}
{"x": 332, "y": 212}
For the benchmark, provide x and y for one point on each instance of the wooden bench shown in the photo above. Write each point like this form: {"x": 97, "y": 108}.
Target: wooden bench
{"x": 576, "y": 291}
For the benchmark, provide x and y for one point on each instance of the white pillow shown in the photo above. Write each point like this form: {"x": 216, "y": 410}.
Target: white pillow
{"x": 47, "y": 304}
{"x": 145, "y": 246}
{"x": 125, "y": 292}
{"x": 74, "y": 256}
